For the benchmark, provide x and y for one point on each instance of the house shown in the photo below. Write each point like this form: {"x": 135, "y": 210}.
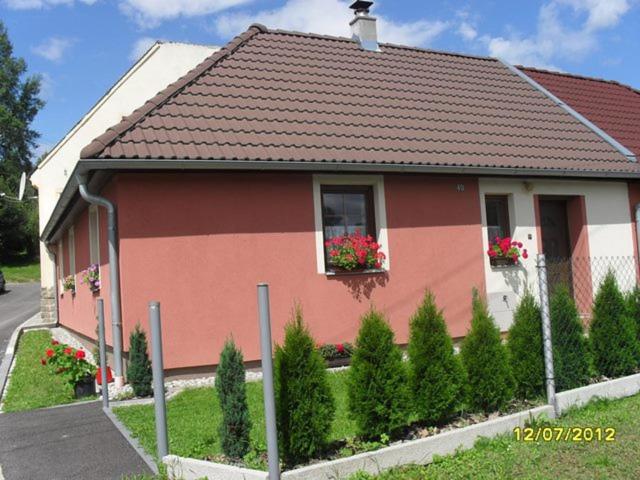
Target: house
{"x": 162, "y": 64}
{"x": 239, "y": 172}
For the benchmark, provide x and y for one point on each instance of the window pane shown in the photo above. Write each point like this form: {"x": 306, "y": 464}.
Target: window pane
{"x": 355, "y": 204}
{"x": 497, "y": 209}
{"x": 333, "y": 203}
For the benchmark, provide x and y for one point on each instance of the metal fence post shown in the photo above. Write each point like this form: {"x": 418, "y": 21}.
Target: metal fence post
{"x": 103, "y": 355}
{"x": 158, "y": 380}
{"x": 546, "y": 332}
{"x": 267, "y": 381}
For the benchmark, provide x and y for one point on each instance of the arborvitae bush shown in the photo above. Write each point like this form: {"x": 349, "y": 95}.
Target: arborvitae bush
{"x": 232, "y": 393}
{"x": 485, "y": 359}
{"x": 305, "y": 404}
{"x": 435, "y": 373}
{"x": 378, "y": 390}
{"x": 633, "y": 310}
{"x": 612, "y": 334}
{"x": 570, "y": 348}
{"x": 139, "y": 369}
{"x": 525, "y": 349}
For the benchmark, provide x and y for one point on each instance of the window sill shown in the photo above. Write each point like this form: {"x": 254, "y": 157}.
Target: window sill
{"x": 369, "y": 271}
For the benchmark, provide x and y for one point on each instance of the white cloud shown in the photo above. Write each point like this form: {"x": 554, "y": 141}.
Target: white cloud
{"x": 33, "y": 4}
{"x": 140, "y": 47}
{"x": 466, "y": 31}
{"x": 46, "y": 86}
{"x": 329, "y": 17}
{"x": 150, "y": 13}
{"x": 53, "y": 48}
{"x": 553, "y": 39}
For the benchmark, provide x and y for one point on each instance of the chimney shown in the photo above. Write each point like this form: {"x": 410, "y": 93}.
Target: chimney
{"x": 363, "y": 26}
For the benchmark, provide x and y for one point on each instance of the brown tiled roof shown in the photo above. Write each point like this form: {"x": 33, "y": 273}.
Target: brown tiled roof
{"x": 613, "y": 107}
{"x": 273, "y": 95}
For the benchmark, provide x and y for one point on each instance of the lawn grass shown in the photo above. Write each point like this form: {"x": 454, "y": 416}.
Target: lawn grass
{"x": 506, "y": 458}
{"x": 21, "y": 271}
{"x": 31, "y": 384}
{"x": 194, "y": 416}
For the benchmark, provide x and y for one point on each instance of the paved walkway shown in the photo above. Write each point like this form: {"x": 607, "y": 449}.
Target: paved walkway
{"x": 20, "y": 302}
{"x": 65, "y": 443}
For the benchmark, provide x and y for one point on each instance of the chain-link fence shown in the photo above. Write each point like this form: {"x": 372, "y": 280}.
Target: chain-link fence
{"x": 593, "y": 306}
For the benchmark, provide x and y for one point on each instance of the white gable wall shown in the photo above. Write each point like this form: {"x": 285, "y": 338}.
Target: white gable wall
{"x": 163, "y": 64}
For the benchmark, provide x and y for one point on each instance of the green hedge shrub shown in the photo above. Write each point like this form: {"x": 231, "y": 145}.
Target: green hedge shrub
{"x": 232, "y": 393}
{"x": 485, "y": 359}
{"x": 633, "y": 309}
{"x": 435, "y": 373}
{"x": 139, "y": 369}
{"x": 525, "y": 349}
{"x": 304, "y": 402}
{"x": 377, "y": 386}
{"x": 570, "y": 349}
{"x": 612, "y": 334}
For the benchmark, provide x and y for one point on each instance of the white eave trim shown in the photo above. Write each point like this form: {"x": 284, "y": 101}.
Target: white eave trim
{"x": 592, "y": 126}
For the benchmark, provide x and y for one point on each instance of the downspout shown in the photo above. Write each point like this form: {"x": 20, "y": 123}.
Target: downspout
{"x": 114, "y": 273}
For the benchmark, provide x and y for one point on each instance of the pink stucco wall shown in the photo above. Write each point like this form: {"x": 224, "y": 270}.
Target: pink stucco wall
{"x": 199, "y": 243}
{"x": 78, "y": 311}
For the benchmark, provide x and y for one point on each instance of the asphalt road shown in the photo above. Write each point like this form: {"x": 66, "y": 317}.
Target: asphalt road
{"x": 65, "y": 443}
{"x": 20, "y": 302}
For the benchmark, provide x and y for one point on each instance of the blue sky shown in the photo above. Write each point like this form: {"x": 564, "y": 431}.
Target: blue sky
{"x": 81, "y": 47}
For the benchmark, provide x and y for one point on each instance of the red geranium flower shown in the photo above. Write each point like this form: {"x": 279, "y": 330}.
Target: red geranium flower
{"x": 49, "y": 352}
{"x": 340, "y": 347}
{"x": 68, "y": 351}
{"x": 55, "y": 342}
{"x": 80, "y": 354}
{"x": 43, "y": 361}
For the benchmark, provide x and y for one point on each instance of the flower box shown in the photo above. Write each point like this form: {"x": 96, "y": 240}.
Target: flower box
{"x": 506, "y": 252}
{"x": 501, "y": 262}
{"x": 353, "y": 253}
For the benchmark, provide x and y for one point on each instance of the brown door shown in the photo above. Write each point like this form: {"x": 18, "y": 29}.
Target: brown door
{"x": 555, "y": 241}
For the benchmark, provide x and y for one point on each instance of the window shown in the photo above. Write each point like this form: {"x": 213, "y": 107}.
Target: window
{"x": 94, "y": 235}
{"x": 72, "y": 252}
{"x": 61, "y": 260}
{"x": 497, "y": 208}
{"x": 346, "y": 203}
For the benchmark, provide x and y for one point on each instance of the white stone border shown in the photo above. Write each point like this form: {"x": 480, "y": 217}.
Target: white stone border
{"x": 416, "y": 451}
{"x": 618, "y": 388}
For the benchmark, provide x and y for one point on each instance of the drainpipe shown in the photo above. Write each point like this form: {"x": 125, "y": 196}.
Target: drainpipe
{"x": 114, "y": 273}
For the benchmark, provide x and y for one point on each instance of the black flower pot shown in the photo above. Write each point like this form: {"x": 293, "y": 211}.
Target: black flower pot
{"x": 86, "y": 387}
{"x": 501, "y": 262}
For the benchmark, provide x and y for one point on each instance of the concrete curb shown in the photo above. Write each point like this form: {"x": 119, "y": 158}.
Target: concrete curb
{"x": 618, "y": 388}
{"x": 9, "y": 354}
{"x": 148, "y": 459}
{"x": 419, "y": 451}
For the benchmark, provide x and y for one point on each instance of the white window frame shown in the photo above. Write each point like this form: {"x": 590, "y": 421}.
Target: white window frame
{"x": 71, "y": 238}
{"x": 94, "y": 235}
{"x": 379, "y": 205}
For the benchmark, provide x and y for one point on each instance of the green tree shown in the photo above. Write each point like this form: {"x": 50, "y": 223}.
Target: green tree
{"x": 232, "y": 393}
{"x": 139, "y": 369}
{"x": 570, "y": 348}
{"x": 612, "y": 334}
{"x": 19, "y": 104}
{"x": 485, "y": 359}
{"x": 633, "y": 310}
{"x": 525, "y": 349}
{"x": 304, "y": 403}
{"x": 377, "y": 385}
{"x": 436, "y": 375}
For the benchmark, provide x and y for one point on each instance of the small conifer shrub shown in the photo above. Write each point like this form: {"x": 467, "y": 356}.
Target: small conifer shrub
{"x": 378, "y": 389}
{"x": 305, "y": 406}
{"x": 232, "y": 393}
{"x": 612, "y": 333}
{"x": 525, "y": 349}
{"x": 435, "y": 373}
{"x": 485, "y": 359}
{"x": 139, "y": 370}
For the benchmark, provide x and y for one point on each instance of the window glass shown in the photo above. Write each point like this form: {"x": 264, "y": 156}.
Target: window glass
{"x": 497, "y": 208}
